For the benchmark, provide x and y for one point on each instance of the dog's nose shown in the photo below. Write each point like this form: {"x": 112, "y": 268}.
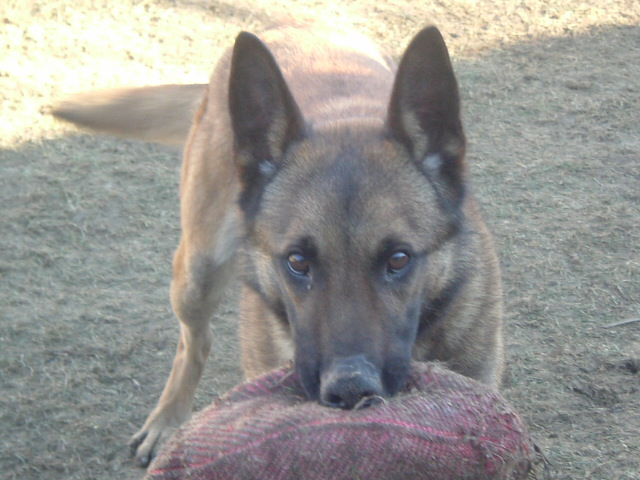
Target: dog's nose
{"x": 350, "y": 383}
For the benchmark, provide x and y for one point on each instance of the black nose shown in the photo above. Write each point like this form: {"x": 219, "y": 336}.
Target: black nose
{"x": 351, "y": 382}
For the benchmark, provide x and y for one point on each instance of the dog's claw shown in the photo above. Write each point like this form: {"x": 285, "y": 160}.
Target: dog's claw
{"x": 144, "y": 445}
{"x": 134, "y": 443}
{"x": 143, "y": 461}
{"x": 142, "y": 454}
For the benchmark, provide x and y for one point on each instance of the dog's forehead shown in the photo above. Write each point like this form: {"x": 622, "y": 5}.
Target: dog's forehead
{"x": 358, "y": 193}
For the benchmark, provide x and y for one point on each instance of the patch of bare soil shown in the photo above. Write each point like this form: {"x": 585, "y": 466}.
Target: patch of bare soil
{"x": 551, "y": 96}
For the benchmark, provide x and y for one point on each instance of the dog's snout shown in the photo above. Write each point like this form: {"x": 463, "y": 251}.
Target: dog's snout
{"x": 351, "y": 383}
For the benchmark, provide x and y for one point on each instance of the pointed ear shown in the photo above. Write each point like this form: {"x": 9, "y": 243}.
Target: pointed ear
{"x": 424, "y": 113}
{"x": 264, "y": 116}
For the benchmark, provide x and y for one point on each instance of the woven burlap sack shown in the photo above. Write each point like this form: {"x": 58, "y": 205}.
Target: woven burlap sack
{"x": 443, "y": 426}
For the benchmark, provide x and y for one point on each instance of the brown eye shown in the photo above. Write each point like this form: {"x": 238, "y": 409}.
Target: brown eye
{"x": 298, "y": 264}
{"x": 398, "y": 261}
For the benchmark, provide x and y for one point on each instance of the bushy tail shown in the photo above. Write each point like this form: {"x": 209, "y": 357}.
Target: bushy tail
{"x": 161, "y": 114}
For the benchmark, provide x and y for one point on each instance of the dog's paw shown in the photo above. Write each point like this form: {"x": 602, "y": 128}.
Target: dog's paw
{"x": 146, "y": 443}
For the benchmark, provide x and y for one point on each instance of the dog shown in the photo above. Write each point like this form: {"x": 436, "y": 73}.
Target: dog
{"x": 334, "y": 183}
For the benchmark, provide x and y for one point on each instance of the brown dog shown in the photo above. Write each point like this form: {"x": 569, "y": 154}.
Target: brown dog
{"x": 340, "y": 193}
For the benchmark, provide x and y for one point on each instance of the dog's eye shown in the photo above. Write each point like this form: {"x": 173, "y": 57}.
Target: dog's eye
{"x": 398, "y": 261}
{"x": 298, "y": 264}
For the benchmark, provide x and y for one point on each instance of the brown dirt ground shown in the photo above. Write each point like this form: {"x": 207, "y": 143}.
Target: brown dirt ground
{"x": 88, "y": 225}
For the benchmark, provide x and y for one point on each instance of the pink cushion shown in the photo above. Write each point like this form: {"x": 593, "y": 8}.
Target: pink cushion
{"x": 442, "y": 426}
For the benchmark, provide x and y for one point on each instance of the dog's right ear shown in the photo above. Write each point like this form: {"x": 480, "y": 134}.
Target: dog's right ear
{"x": 264, "y": 115}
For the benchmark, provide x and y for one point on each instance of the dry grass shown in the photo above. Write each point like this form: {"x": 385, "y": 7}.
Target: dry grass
{"x": 551, "y": 100}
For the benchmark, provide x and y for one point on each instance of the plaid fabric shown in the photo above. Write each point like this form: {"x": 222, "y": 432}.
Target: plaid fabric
{"x": 443, "y": 426}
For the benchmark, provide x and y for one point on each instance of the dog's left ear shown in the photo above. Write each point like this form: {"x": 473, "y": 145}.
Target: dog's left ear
{"x": 424, "y": 113}
{"x": 264, "y": 115}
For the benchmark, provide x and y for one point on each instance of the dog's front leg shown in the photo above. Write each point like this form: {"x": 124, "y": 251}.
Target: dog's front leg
{"x": 204, "y": 265}
{"x": 196, "y": 291}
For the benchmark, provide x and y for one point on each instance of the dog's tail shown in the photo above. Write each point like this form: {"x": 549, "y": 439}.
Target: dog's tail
{"x": 161, "y": 114}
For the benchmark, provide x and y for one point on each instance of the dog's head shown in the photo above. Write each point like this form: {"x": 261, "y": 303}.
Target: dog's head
{"x": 350, "y": 223}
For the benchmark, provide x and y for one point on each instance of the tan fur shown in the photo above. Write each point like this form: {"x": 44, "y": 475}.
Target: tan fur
{"x": 161, "y": 114}
{"x": 317, "y": 64}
